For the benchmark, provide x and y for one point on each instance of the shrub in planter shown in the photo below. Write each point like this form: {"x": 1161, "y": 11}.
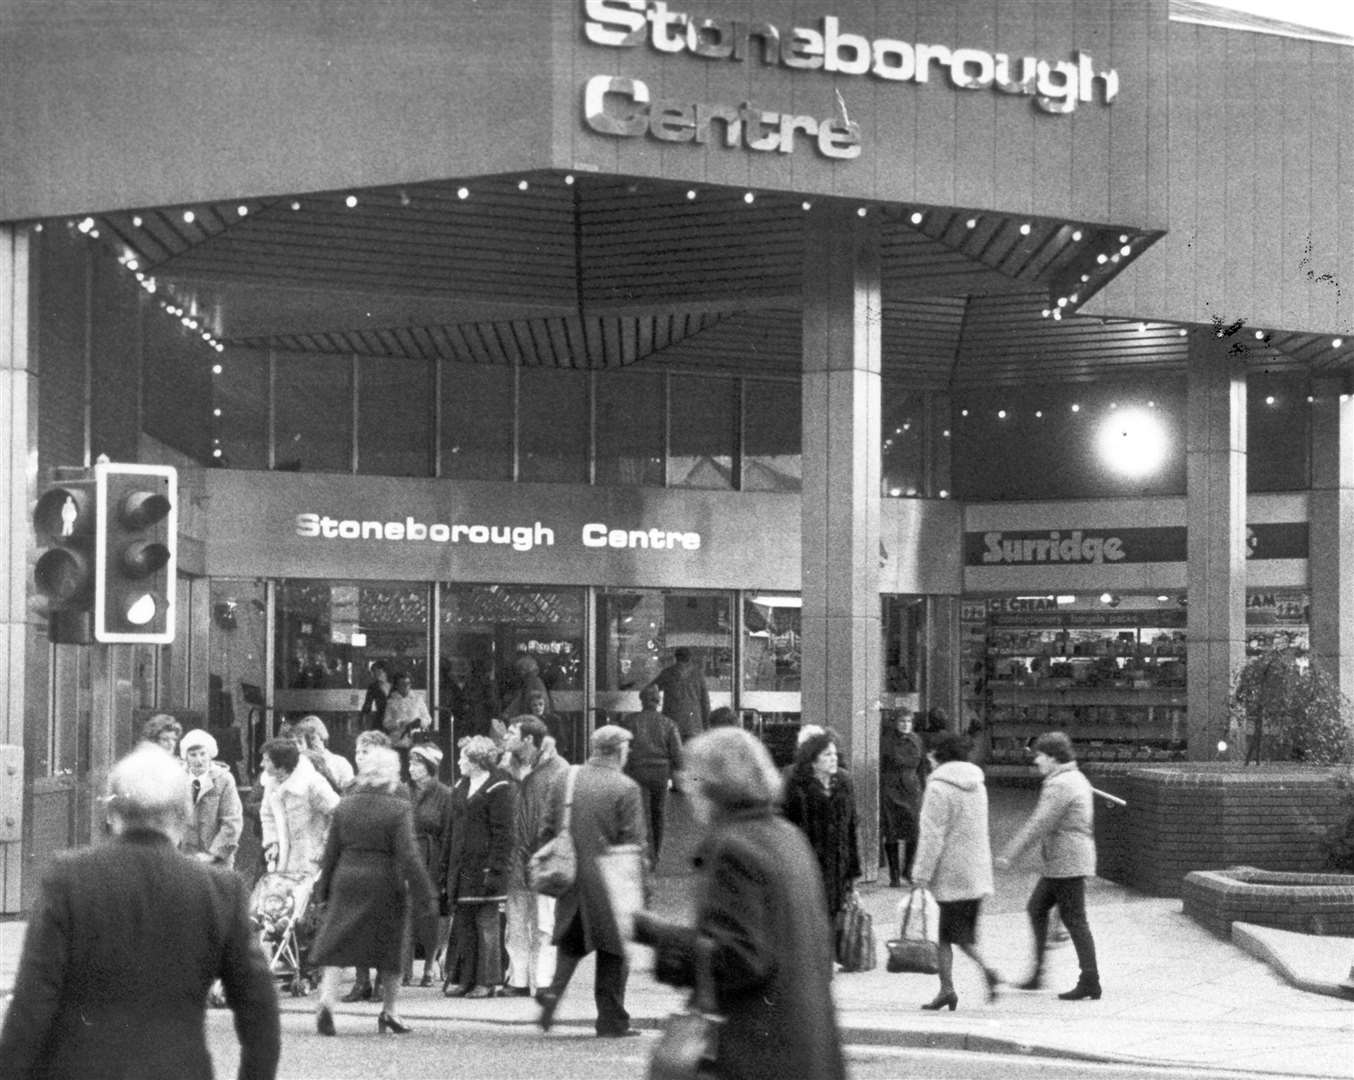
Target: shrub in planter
{"x": 1288, "y": 707}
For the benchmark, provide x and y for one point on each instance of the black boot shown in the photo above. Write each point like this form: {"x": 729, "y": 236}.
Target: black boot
{"x": 891, "y": 854}
{"x": 1088, "y": 986}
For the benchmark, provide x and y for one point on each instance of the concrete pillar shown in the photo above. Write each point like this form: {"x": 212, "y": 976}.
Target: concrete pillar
{"x": 18, "y": 446}
{"x": 840, "y": 526}
{"x": 1215, "y": 461}
{"x": 1330, "y": 559}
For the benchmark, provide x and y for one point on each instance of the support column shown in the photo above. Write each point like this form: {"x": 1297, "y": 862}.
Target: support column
{"x": 1215, "y": 460}
{"x": 18, "y": 409}
{"x": 1330, "y": 557}
{"x": 840, "y": 525}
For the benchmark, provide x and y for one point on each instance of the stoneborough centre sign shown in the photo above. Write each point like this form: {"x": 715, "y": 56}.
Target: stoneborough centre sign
{"x": 626, "y": 108}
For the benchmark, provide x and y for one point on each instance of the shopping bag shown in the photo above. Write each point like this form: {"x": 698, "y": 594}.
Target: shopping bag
{"x": 855, "y": 936}
{"x": 917, "y": 947}
{"x": 688, "y": 1048}
{"x": 552, "y": 869}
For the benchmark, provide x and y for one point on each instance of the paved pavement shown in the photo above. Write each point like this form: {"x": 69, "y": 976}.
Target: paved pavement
{"x": 1267, "y": 1001}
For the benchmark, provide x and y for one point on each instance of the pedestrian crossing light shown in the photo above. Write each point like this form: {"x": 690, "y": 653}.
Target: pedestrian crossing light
{"x": 64, "y": 521}
{"x": 135, "y": 564}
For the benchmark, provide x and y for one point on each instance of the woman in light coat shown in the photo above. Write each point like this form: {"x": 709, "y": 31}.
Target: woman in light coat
{"x": 1063, "y": 825}
{"x": 297, "y": 805}
{"x": 954, "y": 858}
{"x": 212, "y": 833}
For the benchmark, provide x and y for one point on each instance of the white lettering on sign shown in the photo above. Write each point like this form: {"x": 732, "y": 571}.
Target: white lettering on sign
{"x": 1074, "y": 547}
{"x": 597, "y": 535}
{"x": 310, "y": 526}
{"x": 1055, "y": 87}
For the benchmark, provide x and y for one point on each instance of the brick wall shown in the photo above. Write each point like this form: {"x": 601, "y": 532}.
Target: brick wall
{"x": 1300, "y": 903}
{"x": 1205, "y": 816}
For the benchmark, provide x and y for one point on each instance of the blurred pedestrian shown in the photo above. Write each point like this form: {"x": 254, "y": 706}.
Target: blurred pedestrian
{"x": 295, "y": 811}
{"x": 363, "y": 988}
{"x": 723, "y": 717}
{"x": 482, "y": 809}
{"x": 164, "y": 731}
{"x": 432, "y": 837}
{"x": 534, "y": 761}
{"x": 685, "y": 697}
{"x": 819, "y": 799}
{"x": 212, "y": 831}
{"x": 1063, "y": 826}
{"x": 655, "y": 755}
{"x": 954, "y": 858}
{"x": 902, "y": 776}
{"x": 334, "y": 767}
{"x": 607, "y": 811}
{"x": 405, "y": 715}
{"x": 759, "y": 919}
{"x": 370, "y": 876}
{"x": 526, "y": 679}
{"x": 123, "y": 943}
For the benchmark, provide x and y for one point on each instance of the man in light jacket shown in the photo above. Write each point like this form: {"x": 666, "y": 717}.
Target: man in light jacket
{"x": 1062, "y": 823}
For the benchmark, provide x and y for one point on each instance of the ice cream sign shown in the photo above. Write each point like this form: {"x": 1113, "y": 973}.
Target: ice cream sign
{"x": 627, "y": 107}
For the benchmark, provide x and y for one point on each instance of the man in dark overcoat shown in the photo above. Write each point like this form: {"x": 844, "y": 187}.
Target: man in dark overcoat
{"x": 607, "y": 810}
{"x": 124, "y": 943}
{"x": 685, "y": 696}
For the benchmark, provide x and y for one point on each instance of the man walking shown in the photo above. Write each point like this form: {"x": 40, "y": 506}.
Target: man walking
{"x": 655, "y": 755}
{"x": 607, "y": 810}
{"x": 1062, "y": 824}
{"x": 685, "y": 697}
{"x": 536, "y": 765}
{"x": 124, "y": 943}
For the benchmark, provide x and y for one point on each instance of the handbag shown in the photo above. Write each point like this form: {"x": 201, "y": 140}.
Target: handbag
{"x": 855, "y": 936}
{"x": 917, "y": 948}
{"x": 552, "y": 870}
{"x": 689, "y": 1045}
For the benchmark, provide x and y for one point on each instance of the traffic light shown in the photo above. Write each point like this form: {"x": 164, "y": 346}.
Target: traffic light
{"x": 136, "y": 529}
{"x": 64, "y": 519}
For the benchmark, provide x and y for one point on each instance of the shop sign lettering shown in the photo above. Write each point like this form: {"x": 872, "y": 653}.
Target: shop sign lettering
{"x": 311, "y": 526}
{"x": 624, "y": 107}
{"x": 1074, "y": 547}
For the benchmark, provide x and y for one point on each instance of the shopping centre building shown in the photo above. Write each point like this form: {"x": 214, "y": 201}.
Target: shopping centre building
{"x": 585, "y": 331}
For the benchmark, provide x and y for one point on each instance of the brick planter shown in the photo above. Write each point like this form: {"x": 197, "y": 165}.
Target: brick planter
{"x": 1211, "y": 816}
{"x": 1301, "y": 903}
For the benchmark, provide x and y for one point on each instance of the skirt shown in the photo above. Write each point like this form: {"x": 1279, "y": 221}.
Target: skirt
{"x": 959, "y": 921}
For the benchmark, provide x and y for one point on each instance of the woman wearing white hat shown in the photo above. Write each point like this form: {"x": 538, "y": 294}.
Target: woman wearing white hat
{"x": 213, "y": 831}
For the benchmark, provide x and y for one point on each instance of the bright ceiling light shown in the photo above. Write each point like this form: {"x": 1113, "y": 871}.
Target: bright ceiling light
{"x": 1132, "y": 442}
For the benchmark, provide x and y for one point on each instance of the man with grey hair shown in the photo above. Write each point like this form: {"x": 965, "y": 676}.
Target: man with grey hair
{"x": 607, "y": 810}
{"x": 126, "y": 939}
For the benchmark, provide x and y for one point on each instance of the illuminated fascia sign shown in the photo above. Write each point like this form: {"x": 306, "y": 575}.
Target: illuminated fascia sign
{"x": 1287, "y": 540}
{"x": 593, "y": 534}
{"x": 624, "y": 107}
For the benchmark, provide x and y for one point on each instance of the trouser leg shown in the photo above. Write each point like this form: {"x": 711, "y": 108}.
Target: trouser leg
{"x": 657, "y": 794}
{"x": 891, "y": 854}
{"x": 521, "y": 936}
{"x": 543, "y": 950}
{"x": 567, "y": 956}
{"x": 1071, "y": 900}
{"x": 609, "y": 993}
{"x": 488, "y": 946}
{"x": 1039, "y": 905}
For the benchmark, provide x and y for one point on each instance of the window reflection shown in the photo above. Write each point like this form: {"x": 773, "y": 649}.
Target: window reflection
{"x": 477, "y": 422}
{"x": 772, "y": 642}
{"x": 703, "y": 432}
{"x": 772, "y": 436}
{"x": 629, "y": 428}
{"x": 314, "y": 406}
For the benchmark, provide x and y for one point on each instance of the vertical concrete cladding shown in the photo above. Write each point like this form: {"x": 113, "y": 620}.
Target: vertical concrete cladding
{"x": 1018, "y": 106}
{"x": 252, "y": 96}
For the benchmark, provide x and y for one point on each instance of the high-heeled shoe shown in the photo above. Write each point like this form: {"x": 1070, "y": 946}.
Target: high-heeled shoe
{"x": 993, "y": 981}
{"x": 324, "y": 1021}
{"x": 385, "y": 1022}
{"x": 940, "y": 1001}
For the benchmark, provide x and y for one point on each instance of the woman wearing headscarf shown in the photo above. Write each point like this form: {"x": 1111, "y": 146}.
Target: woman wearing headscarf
{"x": 212, "y": 833}
{"x": 902, "y": 776}
{"x": 482, "y": 828}
{"x": 432, "y": 837}
{"x": 371, "y": 876}
{"x": 819, "y": 799}
{"x": 954, "y": 858}
{"x": 759, "y": 920}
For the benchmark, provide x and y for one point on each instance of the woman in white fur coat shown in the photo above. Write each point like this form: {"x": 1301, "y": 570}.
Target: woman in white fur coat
{"x": 954, "y": 858}
{"x": 297, "y": 804}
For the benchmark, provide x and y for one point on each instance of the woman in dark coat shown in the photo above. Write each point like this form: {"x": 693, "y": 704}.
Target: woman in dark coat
{"x": 432, "y": 837}
{"x": 759, "y": 919}
{"x": 483, "y": 807}
{"x": 369, "y": 873}
{"x": 819, "y": 799}
{"x": 902, "y": 780}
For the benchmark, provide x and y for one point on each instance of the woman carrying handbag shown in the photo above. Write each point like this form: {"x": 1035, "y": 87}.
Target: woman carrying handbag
{"x": 954, "y": 859}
